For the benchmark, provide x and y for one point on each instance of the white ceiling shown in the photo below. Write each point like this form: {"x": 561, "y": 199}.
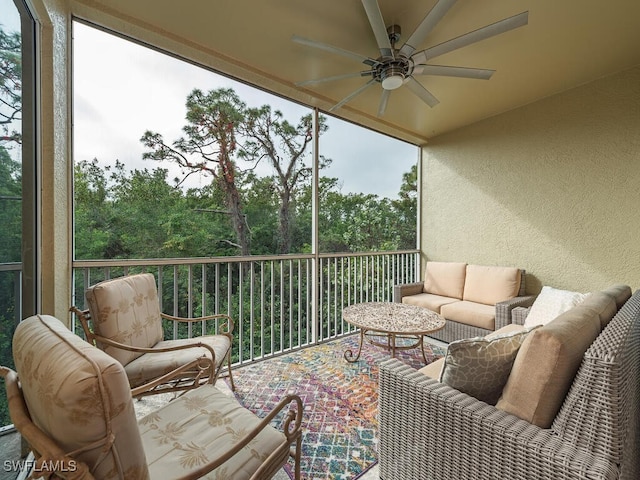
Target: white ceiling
{"x": 565, "y": 44}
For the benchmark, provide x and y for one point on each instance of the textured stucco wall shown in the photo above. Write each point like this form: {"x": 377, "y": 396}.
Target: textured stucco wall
{"x": 55, "y": 156}
{"x": 552, "y": 187}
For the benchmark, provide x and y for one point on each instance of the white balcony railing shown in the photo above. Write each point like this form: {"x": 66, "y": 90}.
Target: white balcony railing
{"x": 270, "y": 298}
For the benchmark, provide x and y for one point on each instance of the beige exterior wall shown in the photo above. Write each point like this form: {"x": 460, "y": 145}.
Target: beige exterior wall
{"x": 552, "y": 187}
{"x": 55, "y": 155}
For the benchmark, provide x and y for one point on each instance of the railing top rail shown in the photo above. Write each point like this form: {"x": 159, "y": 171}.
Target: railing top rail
{"x": 154, "y": 262}
{"x": 11, "y": 267}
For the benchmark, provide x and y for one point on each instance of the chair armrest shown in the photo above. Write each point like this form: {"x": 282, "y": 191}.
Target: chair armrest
{"x": 430, "y": 430}
{"x": 503, "y": 309}
{"x": 406, "y": 289}
{"x": 229, "y": 321}
{"x": 519, "y": 314}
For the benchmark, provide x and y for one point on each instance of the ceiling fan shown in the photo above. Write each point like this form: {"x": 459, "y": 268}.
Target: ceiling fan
{"x": 396, "y": 67}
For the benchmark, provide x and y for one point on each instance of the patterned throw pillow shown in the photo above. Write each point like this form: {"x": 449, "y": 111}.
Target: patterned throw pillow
{"x": 550, "y": 304}
{"x": 480, "y": 367}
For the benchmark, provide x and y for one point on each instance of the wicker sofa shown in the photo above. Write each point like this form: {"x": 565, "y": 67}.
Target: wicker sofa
{"x": 429, "y": 430}
{"x": 475, "y": 299}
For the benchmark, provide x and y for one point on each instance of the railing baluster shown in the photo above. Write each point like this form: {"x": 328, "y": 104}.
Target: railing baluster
{"x": 271, "y": 300}
{"x": 190, "y": 300}
{"x": 262, "y": 297}
{"x": 281, "y": 313}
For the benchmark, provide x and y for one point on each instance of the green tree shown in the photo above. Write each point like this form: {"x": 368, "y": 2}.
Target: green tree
{"x": 285, "y": 146}
{"x": 10, "y": 193}
{"x": 208, "y": 145}
{"x": 96, "y": 235}
{"x": 10, "y": 212}
{"x": 10, "y": 86}
{"x": 405, "y": 210}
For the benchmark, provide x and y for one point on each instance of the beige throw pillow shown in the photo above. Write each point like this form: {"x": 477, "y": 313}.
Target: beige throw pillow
{"x": 480, "y": 366}
{"x": 546, "y": 365}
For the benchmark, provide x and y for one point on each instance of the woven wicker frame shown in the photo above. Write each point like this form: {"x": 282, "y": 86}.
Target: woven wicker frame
{"x": 456, "y": 330}
{"x": 430, "y": 431}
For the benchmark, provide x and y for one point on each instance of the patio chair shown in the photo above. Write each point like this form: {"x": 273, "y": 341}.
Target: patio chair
{"x": 124, "y": 320}
{"x": 72, "y": 404}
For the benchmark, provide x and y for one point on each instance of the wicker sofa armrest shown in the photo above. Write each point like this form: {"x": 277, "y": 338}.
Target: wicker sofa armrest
{"x": 406, "y": 289}
{"x": 429, "y": 430}
{"x": 504, "y": 309}
{"x": 519, "y": 315}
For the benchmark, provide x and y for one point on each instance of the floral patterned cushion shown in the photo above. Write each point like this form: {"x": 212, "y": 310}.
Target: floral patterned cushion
{"x": 126, "y": 310}
{"x": 197, "y": 427}
{"x": 155, "y": 365}
{"x": 80, "y": 397}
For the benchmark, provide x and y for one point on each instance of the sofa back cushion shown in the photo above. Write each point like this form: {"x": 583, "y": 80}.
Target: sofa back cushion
{"x": 79, "y": 397}
{"x": 546, "y": 364}
{"x": 126, "y": 310}
{"x": 490, "y": 284}
{"x": 445, "y": 278}
{"x": 603, "y": 304}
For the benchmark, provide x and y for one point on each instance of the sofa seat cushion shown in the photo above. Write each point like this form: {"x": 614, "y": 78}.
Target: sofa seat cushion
{"x": 445, "y": 279}
{"x": 428, "y": 300}
{"x": 507, "y": 329}
{"x": 490, "y": 284}
{"x": 433, "y": 369}
{"x": 546, "y": 365}
{"x": 550, "y": 303}
{"x": 201, "y": 424}
{"x": 470, "y": 313}
{"x": 154, "y": 365}
{"x": 480, "y": 366}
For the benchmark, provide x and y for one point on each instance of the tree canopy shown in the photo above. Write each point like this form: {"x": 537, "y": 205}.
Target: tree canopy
{"x": 139, "y": 214}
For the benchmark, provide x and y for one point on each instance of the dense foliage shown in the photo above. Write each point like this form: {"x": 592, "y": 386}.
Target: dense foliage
{"x": 10, "y": 192}
{"x": 138, "y": 214}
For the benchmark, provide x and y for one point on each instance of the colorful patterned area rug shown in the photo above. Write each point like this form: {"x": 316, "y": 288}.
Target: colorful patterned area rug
{"x": 340, "y": 402}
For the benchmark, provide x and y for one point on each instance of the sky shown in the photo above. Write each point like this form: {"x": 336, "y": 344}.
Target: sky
{"x": 122, "y": 89}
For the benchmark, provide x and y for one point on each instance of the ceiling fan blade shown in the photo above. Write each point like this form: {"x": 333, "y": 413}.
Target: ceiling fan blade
{"x": 384, "y": 99}
{"x": 352, "y": 95}
{"x": 425, "y": 95}
{"x": 332, "y": 49}
{"x": 472, "y": 37}
{"x": 431, "y": 20}
{"x": 377, "y": 25}
{"x": 447, "y": 71}
{"x": 335, "y": 77}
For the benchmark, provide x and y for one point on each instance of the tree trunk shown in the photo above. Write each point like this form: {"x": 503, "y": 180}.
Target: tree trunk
{"x": 238, "y": 221}
{"x": 285, "y": 222}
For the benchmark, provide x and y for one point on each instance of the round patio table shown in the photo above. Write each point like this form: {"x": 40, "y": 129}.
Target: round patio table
{"x": 393, "y": 320}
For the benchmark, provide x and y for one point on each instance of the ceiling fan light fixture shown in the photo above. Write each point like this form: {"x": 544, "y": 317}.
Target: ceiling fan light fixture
{"x": 393, "y": 81}
{"x": 392, "y": 76}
